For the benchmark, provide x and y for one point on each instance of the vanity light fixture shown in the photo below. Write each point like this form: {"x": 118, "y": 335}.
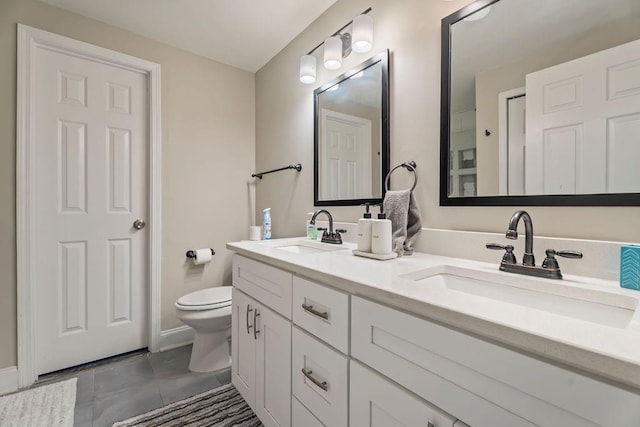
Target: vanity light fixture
{"x": 308, "y": 69}
{"x": 339, "y": 46}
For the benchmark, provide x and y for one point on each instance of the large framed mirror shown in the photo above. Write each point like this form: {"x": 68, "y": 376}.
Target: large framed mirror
{"x": 351, "y": 135}
{"x": 540, "y": 104}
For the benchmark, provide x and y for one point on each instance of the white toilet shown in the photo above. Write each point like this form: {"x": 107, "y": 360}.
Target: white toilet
{"x": 208, "y": 312}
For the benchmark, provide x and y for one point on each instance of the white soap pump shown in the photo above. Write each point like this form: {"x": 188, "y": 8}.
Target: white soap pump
{"x": 364, "y": 230}
{"x": 381, "y": 234}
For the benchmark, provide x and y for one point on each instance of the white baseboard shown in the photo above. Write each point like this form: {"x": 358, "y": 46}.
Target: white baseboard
{"x": 176, "y": 337}
{"x": 8, "y": 379}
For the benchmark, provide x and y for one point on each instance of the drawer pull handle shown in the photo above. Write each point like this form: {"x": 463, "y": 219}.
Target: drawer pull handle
{"x": 255, "y": 324}
{"x": 249, "y": 310}
{"x": 310, "y": 309}
{"x": 323, "y": 385}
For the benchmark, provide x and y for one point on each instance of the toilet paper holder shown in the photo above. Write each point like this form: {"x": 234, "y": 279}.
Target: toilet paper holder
{"x": 192, "y": 253}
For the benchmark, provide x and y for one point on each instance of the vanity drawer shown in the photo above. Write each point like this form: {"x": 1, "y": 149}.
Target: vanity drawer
{"x": 405, "y": 349}
{"x": 320, "y": 379}
{"x": 322, "y": 311}
{"x": 301, "y": 417}
{"x": 481, "y": 383}
{"x": 376, "y": 401}
{"x": 269, "y": 285}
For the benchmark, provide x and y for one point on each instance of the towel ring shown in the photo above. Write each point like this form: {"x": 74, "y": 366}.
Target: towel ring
{"x": 411, "y": 167}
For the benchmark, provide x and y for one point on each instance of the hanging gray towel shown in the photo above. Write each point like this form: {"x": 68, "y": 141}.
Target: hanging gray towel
{"x": 406, "y": 223}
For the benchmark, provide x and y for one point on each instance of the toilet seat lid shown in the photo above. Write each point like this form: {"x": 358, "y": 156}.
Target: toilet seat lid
{"x": 209, "y": 298}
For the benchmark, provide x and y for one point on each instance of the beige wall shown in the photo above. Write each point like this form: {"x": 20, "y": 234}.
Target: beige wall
{"x": 411, "y": 31}
{"x": 490, "y": 83}
{"x": 208, "y": 139}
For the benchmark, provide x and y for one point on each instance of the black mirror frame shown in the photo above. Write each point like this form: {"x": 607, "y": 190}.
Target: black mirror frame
{"x": 385, "y": 133}
{"x": 611, "y": 199}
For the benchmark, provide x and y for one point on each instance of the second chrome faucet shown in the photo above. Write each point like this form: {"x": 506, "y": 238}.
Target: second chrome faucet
{"x": 549, "y": 268}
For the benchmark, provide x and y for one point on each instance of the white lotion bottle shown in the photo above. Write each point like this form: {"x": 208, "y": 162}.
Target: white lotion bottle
{"x": 364, "y": 231}
{"x": 381, "y": 234}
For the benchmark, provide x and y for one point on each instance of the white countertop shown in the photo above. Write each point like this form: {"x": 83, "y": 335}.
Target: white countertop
{"x": 608, "y": 351}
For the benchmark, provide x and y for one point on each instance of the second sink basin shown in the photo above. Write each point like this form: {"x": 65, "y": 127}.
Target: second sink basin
{"x": 568, "y": 300}
{"x": 302, "y": 246}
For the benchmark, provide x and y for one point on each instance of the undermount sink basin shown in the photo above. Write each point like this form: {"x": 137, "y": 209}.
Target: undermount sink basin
{"x": 566, "y": 299}
{"x": 308, "y": 247}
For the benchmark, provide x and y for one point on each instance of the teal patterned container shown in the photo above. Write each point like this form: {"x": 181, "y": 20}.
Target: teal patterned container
{"x": 630, "y": 267}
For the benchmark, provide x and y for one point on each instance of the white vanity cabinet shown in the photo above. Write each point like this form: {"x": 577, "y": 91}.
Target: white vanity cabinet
{"x": 307, "y": 354}
{"x": 261, "y": 342}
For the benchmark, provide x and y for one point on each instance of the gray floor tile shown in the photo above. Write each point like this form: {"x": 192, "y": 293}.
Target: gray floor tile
{"x": 177, "y": 388}
{"x": 171, "y": 362}
{"x": 119, "y": 405}
{"x": 83, "y": 415}
{"x": 84, "y": 387}
{"x": 122, "y": 375}
{"x": 224, "y": 376}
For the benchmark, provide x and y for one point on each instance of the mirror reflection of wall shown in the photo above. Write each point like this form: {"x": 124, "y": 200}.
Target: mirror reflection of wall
{"x": 350, "y": 136}
{"x": 548, "y": 95}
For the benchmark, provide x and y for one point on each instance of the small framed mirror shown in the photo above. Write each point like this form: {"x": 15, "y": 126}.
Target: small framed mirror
{"x": 351, "y": 135}
{"x": 540, "y": 104}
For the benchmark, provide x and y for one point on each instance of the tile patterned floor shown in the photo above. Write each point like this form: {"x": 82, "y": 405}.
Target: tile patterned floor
{"x": 135, "y": 384}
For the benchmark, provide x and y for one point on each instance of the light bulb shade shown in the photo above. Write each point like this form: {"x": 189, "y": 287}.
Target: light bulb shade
{"x": 333, "y": 53}
{"x": 362, "y": 40}
{"x": 308, "y": 69}
{"x": 478, "y": 15}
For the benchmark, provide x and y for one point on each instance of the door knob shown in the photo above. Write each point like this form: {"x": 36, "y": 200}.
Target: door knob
{"x": 139, "y": 224}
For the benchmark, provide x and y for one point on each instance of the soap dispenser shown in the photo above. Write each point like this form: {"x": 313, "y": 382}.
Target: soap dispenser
{"x": 364, "y": 230}
{"x": 381, "y": 234}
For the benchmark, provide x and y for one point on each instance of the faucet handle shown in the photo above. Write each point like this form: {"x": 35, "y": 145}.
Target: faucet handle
{"x": 569, "y": 254}
{"x": 321, "y": 228}
{"x": 509, "y": 257}
{"x": 341, "y": 230}
{"x": 551, "y": 262}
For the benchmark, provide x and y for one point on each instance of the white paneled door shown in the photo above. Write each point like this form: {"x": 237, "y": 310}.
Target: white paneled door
{"x": 583, "y": 124}
{"x": 345, "y": 157}
{"x": 91, "y": 180}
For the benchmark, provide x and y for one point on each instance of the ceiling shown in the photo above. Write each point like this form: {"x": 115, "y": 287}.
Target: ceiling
{"x": 242, "y": 33}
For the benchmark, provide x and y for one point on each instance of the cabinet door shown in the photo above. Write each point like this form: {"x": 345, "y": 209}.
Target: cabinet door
{"x": 269, "y": 285}
{"x": 273, "y": 368}
{"x": 243, "y": 354}
{"x": 376, "y": 401}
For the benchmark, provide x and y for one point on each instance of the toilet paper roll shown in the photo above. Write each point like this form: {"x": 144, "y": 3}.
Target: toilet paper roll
{"x": 255, "y": 232}
{"x": 203, "y": 256}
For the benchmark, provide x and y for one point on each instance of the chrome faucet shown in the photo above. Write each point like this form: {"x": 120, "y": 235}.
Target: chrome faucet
{"x": 328, "y": 236}
{"x": 549, "y": 268}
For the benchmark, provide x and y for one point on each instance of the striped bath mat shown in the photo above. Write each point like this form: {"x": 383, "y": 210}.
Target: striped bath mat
{"x": 221, "y": 407}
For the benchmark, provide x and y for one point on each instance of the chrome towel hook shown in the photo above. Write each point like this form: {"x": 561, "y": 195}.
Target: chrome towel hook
{"x": 410, "y": 166}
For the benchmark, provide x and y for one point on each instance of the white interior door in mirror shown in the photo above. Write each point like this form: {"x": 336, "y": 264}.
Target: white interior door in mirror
{"x": 345, "y": 156}
{"x": 583, "y": 120}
